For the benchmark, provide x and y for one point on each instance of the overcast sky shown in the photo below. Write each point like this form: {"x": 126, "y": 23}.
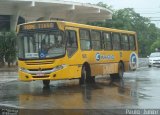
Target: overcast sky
{"x": 147, "y": 8}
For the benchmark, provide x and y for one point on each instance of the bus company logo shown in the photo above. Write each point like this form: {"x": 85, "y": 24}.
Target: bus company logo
{"x": 104, "y": 57}
{"x": 133, "y": 60}
{"x": 108, "y": 57}
{"x": 98, "y": 56}
{"x": 42, "y": 55}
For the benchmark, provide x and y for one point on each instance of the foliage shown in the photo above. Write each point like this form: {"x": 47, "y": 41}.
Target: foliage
{"x": 101, "y": 4}
{"x": 155, "y": 45}
{"x": 2, "y": 48}
{"x": 7, "y": 47}
{"x": 128, "y": 19}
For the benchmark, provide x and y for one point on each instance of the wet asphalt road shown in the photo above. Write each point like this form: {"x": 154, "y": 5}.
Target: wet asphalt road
{"x": 139, "y": 89}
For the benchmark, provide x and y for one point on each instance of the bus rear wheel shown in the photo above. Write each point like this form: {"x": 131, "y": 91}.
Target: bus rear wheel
{"x": 120, "y": 73}
{"x": 46, "y": 83}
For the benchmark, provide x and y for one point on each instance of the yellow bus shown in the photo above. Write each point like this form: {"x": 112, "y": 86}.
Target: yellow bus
{"x": 58, "y": 50}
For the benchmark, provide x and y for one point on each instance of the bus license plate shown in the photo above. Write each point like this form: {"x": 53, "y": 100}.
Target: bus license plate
{"x": 40, "y": 74}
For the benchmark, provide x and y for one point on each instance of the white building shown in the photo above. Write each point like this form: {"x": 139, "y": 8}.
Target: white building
{"x": 13, "y": 12}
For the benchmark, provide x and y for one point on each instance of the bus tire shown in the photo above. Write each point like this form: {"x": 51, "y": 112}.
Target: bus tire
{"x": 82, "y": 80}
{"x": 86, "y": 77}
{"x": 46, "y": 83}
{"x": 120, "y": 73}
{"x": 91, "y": 79}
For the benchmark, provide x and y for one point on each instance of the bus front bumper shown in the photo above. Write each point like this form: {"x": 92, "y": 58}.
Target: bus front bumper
{"x": 57, "y": 73}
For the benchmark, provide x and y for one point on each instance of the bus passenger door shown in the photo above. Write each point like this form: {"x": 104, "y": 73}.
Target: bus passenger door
{"x": 72, "y": 51}
{"x": 72, "y": 44}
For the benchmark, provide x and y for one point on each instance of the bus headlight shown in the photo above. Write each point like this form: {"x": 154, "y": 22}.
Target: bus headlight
{"x": 59, "y": 67}
{"x": 23, "y": 69}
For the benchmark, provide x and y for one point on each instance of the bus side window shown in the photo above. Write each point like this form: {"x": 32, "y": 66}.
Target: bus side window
{"x": 72, "y": 45}
{"x": 96, "y": 40}
{"x": 116, "y": 41}
{"x": 124, "y": 42}
{"x": 85, "y": 39}
{"x": 132, "y": 42}
{"x": 107, "y": 45}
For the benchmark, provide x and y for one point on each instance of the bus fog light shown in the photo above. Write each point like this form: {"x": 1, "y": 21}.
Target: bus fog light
{"x": 54, "y": 75}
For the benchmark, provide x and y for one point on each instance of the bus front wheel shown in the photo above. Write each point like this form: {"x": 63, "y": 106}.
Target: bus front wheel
{"x": 46, "y": 83}
{"x": 82, "y": 80}
{"x": 86, "y": 76}
{"x": 120, "y": 73}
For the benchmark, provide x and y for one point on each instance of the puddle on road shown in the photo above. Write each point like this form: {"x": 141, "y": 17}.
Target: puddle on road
{"x": 104, "y": 94}
{"x": 135, "y": 91}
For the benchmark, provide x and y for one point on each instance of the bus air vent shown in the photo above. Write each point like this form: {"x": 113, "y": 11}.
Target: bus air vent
{"x": 39, "y": 62}
{"x": 46, "y": 76}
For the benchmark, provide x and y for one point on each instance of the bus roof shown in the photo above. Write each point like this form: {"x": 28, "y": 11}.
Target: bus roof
{"x": 97, "y": 27}
{"x": 84, "y": 26}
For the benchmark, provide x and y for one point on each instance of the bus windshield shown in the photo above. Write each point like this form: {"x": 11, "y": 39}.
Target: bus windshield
{"x": 34, "y": 44}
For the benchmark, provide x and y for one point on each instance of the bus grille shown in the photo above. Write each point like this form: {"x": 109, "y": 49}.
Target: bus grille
{"x": 39, "y": 62}
{"x": 42, "y": 69}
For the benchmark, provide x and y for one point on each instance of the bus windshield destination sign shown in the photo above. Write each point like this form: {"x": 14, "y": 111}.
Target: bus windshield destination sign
{"x": 38, "y": 26}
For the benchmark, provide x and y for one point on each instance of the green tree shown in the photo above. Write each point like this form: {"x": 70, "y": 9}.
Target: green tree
{"x": 2, "y": 48}
{"x": 10, "y": 44}
{"x": 146, "y": 31}
{"x": 7, "y": 48}
{"x": 155, "y": 45}
{"x": 128, "y": 19}
{"x": 101, "y": 4}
